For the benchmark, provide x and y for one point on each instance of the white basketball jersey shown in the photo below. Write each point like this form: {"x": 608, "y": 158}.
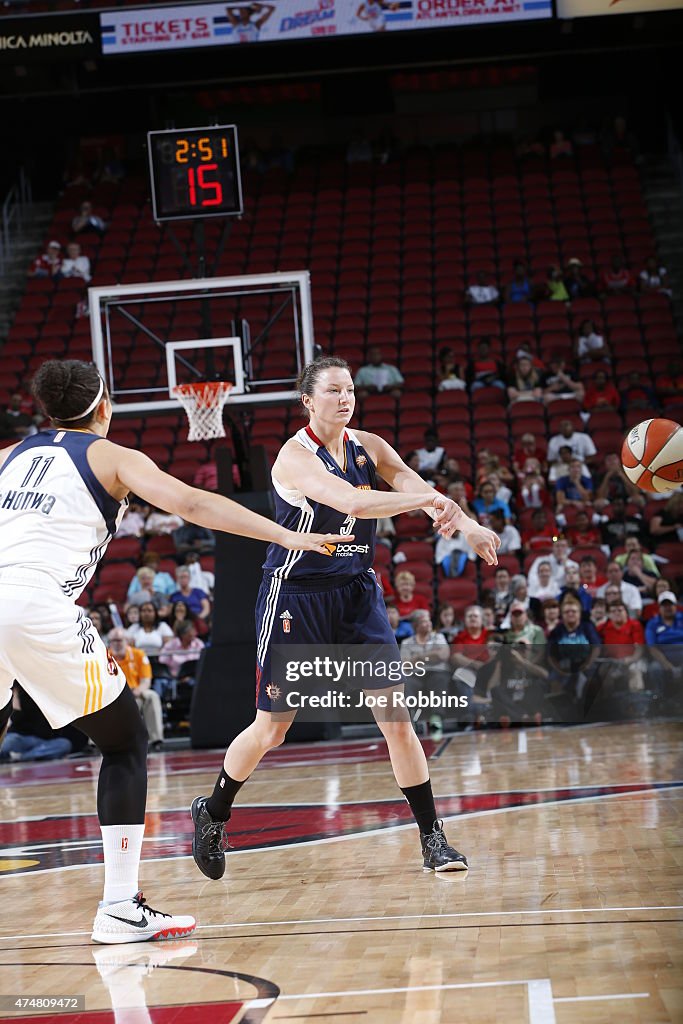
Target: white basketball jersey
{"x": 56, "y": 518}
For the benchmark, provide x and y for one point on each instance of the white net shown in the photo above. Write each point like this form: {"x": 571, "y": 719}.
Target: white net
{"x": 203, "y": 404}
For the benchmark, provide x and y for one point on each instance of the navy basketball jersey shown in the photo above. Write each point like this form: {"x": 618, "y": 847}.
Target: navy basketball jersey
{"x": 295, "y": 511}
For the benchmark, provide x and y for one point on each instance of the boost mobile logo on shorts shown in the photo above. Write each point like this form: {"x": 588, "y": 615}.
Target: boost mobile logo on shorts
{"x": 286, "y": 623}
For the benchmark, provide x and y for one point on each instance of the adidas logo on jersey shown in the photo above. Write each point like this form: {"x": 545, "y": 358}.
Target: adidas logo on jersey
{"x": 286, "y": 618}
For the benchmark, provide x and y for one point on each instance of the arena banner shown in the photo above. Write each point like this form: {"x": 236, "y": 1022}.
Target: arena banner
{"x": 218, "y": 24}
{"x": 49, "y": 37}
{"x": 590, "y": 8}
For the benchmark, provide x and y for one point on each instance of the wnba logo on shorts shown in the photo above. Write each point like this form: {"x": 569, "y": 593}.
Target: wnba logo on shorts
{"x": 124, "y": 842}
{"x": 286, "y": 618}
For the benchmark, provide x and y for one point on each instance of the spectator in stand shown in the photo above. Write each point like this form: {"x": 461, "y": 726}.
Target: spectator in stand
{"x": 653, "y": 278}
{"x": 485, "y": 369}
{"x": 623, "y": 639}
{"x": 510, "y": 540}
{"x": 133, "y": 522}
{"x": 590, "y": 345}
{"x": 630, "y": 595}
{"x": 138, "y": 672}
{"x": 559, "y": 382}
{"x": 402, "y": 627}
{"x": 561, "y": 467}
{"x": 407, "y": 601}
{"x": 663, "y": 585}
{"x": 533, "y": 492}
{"x": 575, "y": 488}
{"x": 452, "y": 554}
{"x": 520, "y": 595}
{"x": 162, "y": 582}
{"x": 583, "y": 533}
{"x": 502, "y": 592}
{"x": 181, "y": 613}
{"x": 190, "y": 537}
{"x": 431, "y": 456}
{"x": 559, "y": 561}
{"x": 486, "y": 502}
{"x": 601, "y": 393}
{"x": 542, "y": 533}
{"x": 632, "y": 544}
{"x": 483, "y": 292}
{"x": 555, "y": 288}
{"x": 668, "y": 524}
{"x": 550, "y": 610}
{"x": 428, "y": 646}
{"x": 161, "y": 524}
{"x": 30, "y": 737}
{"x": 195, "y": 599}
{"x": 183, "y": 647}
{"x": 591, "y": 577}
{"x": 378, "y": 377}
{"x": 130, "y": 617}
{"x": 451, "y": 375}
{"x": 49, "y": 264}
{"x": 519, "y": 289}
{"x": 445, "y": 621}
{"x": 573, "y": 648}
{"x": 641, "y": 578}
{"x": 581, "y": 444}
{"x": 527, "y": 447}
{"x": 385, "y": 532}
{"x": 145, "y": 591}
{"x": 19, "y": 423}
{"x": 489, "y": 465}
{"x": 617, "y": 279}
{"x": 150, "y": 634}
{"x": 525, "y": 382}
{"x": 503, "y": 493}
{"x": 206, "y": 476}
{"x": 199, "y": 577}
{"x": 636, "y": 393}
{"x": 461, "y": 492}
{"x": 573, "y": 585}
{"x": 613, "y": 486}
{"x": 561, "y": 146}
{"x": 75, "y": 263}
{"x": 666, "y": 630}
{"x": 578, "y": 285}
{"x": 598, "y": 614}
{"x": 544, "y": 587}
{"x": 87, "y": 221}
{"x": 522, "y": 629}
{"x": 469, "y": 645}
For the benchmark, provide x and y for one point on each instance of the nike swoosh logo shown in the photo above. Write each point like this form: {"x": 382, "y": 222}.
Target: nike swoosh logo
{"x": 142, "y": 923}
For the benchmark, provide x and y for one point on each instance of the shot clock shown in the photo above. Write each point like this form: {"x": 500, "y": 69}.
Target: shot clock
{"x": 195, "y": 173}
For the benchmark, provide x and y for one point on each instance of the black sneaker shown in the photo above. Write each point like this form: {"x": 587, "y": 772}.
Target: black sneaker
{"x": 209, "y": 841}
{"x": 437, "y": 854}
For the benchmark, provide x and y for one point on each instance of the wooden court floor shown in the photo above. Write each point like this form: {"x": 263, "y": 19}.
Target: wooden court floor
{"x": 572, "y": 910}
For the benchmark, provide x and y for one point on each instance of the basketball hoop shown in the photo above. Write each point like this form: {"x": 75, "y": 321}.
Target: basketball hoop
{"x": 203, "y": 402}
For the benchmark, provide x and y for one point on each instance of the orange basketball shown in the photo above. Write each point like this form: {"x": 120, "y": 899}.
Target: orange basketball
{"x": 652, "y": 455}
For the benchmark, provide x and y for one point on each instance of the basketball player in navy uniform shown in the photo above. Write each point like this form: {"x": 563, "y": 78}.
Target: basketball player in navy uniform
{"x": 325, "y": 479}
{"x": 62, "y": 496}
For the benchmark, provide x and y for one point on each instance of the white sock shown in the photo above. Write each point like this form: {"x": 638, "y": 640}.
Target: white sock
{"x": 122, "y": 845}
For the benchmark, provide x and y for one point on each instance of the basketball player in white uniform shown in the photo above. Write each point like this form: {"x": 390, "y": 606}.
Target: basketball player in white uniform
{"x": 248, "y": 20}
{"x": 374, "y": 12}
{"x": 62, "y": 495}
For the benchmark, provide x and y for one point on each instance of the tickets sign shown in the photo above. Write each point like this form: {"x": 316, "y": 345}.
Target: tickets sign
{"x": 220, "y": 24}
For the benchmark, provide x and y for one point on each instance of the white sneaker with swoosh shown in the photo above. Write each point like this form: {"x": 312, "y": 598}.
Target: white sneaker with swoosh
{"x": 135, "y": 921}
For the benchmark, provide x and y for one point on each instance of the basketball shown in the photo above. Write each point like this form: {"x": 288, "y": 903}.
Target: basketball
{"x": 652, "y": 455}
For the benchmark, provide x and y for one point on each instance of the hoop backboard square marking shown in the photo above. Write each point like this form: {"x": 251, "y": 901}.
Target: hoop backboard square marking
{"x": 201, "y": 343}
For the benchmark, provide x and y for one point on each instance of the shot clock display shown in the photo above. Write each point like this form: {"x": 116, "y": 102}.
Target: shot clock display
{"x": 195, "y": 173}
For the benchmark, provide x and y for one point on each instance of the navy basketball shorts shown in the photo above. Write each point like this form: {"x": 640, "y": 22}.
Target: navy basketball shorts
{"x": 319, "y": 613}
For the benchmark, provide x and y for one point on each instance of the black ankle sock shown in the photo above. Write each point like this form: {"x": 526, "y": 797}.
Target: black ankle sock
{"x": 220, "y": 802}
{"x": 421, "y": 800}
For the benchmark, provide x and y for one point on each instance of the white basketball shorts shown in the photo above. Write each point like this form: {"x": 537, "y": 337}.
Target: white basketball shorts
{"x": 50, "y": 646}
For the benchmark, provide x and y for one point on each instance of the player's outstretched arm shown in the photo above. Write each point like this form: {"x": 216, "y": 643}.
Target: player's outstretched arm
{"x": 300, "y": 469}
{"x": 448, "y": 516}
{"x": 137, "y": 473}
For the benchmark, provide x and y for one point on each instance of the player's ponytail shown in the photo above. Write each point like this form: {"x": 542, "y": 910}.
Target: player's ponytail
{"x": 308, "y": 378}
{"x": 69, "y": 390}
